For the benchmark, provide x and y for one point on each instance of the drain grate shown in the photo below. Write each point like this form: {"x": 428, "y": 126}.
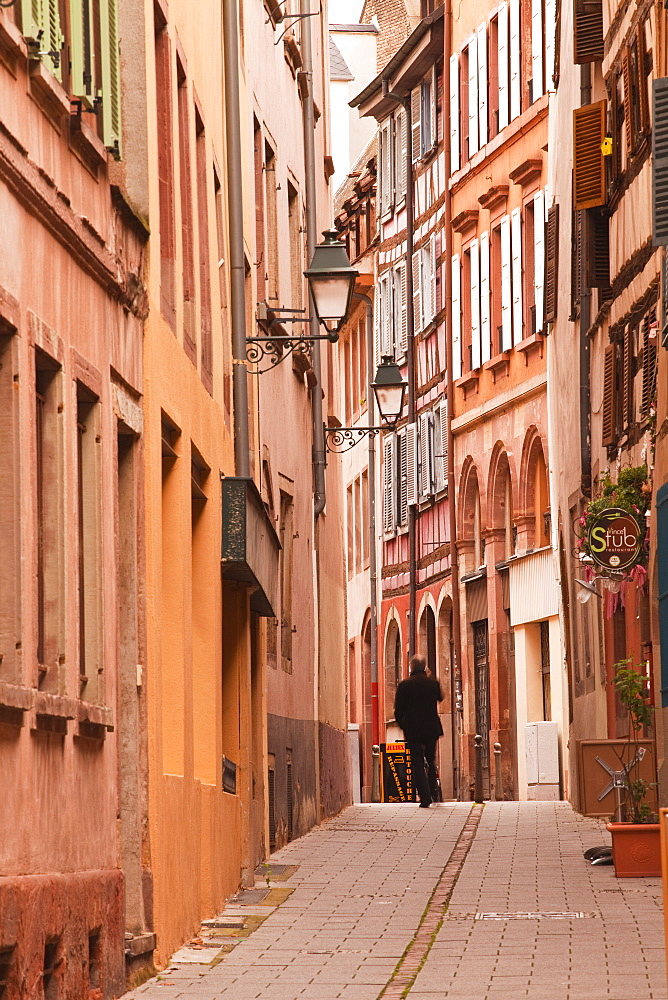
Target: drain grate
{"x": 537, "y": 915}
{"x": 276, "y": 872}
{"x": 249, "y": 897}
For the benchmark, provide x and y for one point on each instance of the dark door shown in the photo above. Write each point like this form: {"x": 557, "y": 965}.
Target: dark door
{"x": 481, "y": 670}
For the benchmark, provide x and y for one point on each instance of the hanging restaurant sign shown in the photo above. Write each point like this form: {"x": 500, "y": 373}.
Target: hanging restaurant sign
{"x": 614, "y": 539}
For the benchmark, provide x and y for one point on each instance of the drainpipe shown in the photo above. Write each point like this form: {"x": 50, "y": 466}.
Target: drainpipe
{"x": 455, "y": 675}
{"x": 585, "y": 343}
{"x": 308, "y": 115}
{"x": 236, "y": 248}
{"x": 410, "y": 368}
{"x": 373, "y": 561}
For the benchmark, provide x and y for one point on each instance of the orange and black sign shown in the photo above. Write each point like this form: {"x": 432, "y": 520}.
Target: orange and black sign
{"x": 396, "y": 775}
{"x": 614, "y": 539}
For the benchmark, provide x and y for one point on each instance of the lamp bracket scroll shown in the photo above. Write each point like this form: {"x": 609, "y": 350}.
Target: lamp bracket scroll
{"x": 340, "y": 439}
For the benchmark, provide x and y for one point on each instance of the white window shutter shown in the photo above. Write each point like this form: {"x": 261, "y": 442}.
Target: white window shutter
{"x": 506, "y": 286}
{"x": 473, "y": 95}
{"x": 482, "y": 84}
{"x": 550, "y": 41}
{"x": 454, "y": 113}
{"x": 385, "y": 167}
{"x": 388, "y": 484}
{"x": 516, "y": 241}
{"x": 385, "y": 315}
{"x": 401, "y": 153}
{"x": 376, "y": 324}
{"x": 416, "y": 102}
{"x": 411, "y": 465}
{"x": 503, "y": 52}
{"x": 432, "y": 276}
{"x": 401, "y": 328}
{"x": 441, "y": 445}
{"x": 536, "y": 49}
{"x": 402, "y": 484}
{"x": 434, "y": 107}
{"x": 515, "y": 60}
{"x": 426, "y": 453}
{"x": 539, "y": 257}
{"x": 485, "y": 319}
{"x": 417, "y": 291}
{"x": 382, "y": 157}
{"x": 456, "y": 317}
{"x": 475, "y": 305}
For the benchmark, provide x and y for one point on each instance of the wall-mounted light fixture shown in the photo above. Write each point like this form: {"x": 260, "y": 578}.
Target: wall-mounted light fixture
{"x": 389, "y": 389}
{"x": 331, "y": 281}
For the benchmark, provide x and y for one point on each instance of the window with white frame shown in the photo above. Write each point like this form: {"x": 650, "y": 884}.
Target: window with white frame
{"x": 424, "y": 124}
{"x": 415, "y": 466}
{"x": 424, "y": 284}
{"x": 391, "y": 329}
{"x": 392, "y": 169}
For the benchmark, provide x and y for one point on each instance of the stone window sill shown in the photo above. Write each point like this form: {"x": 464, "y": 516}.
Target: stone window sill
{"x": 530, "y": 345}
{"x": 499, "y": 365}
{"x": 468, "y": 383}
{"x": 48, "y": 93}
{"x": 86, "y": 142}
{"x": 12, "y": 44}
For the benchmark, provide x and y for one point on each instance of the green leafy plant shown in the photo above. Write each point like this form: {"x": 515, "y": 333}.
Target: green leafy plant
{"x": 632, "y": 492}
{"x": 631, "y": 686}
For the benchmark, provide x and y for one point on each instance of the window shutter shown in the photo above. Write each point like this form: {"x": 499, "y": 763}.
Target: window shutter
{"x": 386, "y": 167}
{"x": 515, "y": 60}
{"x": 416, "y": 97}
{"x": 539, "y": 257}
{"x": 456, "y": 318}
{"x": 649, "y": 362}
{"x": 386, "y": 345}
{"x": 503, "y": 49}
{"x": 662, "y": 567}
{"x": 598, "y": 249}
{"x": 432, "y": 276}
{"x": 482, "y": 84}
{"x": 516, "y": 240}
{"x": 550, "y": 41}
{"x": 426, "y": 444}
{"x": 111, "y": 77}
{"x": 588, "y": 31}
{"x": 627, "y": 377}
{"x": 382, "y": 157}
{"x": 417, "y": 291}
{"x": 577, "y": 242}
{"x": 645, "y": 124}
{"x": 402, "y": 469}
{"x": 475, "y": 305}
{"x": 79, "y": 12}
{"x": 536, "y": 49}
{"x": 485, "y": 318}
{"x": 552, "y": 264}
{"x": 376, "y": 324}
{"x": 454, "y": 113}
{"x": 411, "y": 465}
{"x": 388, "y": 484}
{"x": 628, "y": 99}
{"x": 660, "y": 162}
{"x": 32, "y": 18}
{"x": 434, "y": 108}
{"x": 609, "y": 395}
{"x": 400, "y": 298}
{"x": 588, "y": 162}
{"x": 473, "y": 95}
{"x": 401, "y": 154}
{"x": 506, "y": 286}
{"x": 441, "y": 444}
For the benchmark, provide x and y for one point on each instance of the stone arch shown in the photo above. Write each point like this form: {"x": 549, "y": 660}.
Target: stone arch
{"x": 471, "y": 542}
{"x": 501, "y": 501}
{"x": 534, "y": 518}
{"x": 392, "y": 660}
{"x": 427, "y": 635}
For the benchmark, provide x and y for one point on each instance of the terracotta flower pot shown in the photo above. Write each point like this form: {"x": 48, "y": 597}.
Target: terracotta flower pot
{"x": 636, "y": 849}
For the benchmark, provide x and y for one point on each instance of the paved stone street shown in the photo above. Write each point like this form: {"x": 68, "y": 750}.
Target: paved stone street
{"x": 480, "y": 902}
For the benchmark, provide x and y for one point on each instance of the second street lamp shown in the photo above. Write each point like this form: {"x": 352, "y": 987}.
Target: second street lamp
{"x": 389, "y": 389}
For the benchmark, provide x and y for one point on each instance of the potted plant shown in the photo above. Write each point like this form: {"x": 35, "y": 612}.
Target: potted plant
{"x": 635, "y": 840}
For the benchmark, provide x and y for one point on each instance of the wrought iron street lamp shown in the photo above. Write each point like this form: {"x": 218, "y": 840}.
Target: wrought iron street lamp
{"x": 331, "y": 281}
{"x": 389, "y": 389}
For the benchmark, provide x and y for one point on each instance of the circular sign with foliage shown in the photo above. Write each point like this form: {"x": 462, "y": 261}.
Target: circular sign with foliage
{"x": 614, "y": 537}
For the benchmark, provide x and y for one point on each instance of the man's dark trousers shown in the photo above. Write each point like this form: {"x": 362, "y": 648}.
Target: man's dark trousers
{"x": 425, "y": 780}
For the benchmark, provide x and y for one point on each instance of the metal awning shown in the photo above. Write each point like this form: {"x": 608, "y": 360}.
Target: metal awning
{"x": 250, "y": 545}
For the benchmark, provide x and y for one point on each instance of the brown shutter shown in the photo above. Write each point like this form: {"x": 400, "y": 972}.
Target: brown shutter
{"x": 609, "y": 395}
{"x": 588, "y": 30}
{"x": 660, "y": 161}
{"x": 598, "y": 249}
{"x": 649, "y": 361}
{"x": 628, "y": 98}
{"x": 642, "y": 80}
{"x": 552, "y": 264}
{"x": 589, "y": 165}
{"x": 576, "y": 263}
{"x": 627, "y": 377}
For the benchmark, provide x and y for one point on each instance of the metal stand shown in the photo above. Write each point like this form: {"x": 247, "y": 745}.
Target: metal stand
{"x": 477, "y": 791}
{"x": 375, "y": 774}
{"x": 498, "y": 784}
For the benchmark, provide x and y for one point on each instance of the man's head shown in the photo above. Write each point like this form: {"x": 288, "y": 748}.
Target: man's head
{"x": 418, "y": 665}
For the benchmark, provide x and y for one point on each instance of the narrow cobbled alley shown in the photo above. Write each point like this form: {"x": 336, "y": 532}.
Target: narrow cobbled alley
{"x": 457, "y": 901}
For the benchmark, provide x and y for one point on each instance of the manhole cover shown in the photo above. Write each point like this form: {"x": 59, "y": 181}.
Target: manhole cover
{"x": 536, "y": 915}
{"x": 249, "y": 897}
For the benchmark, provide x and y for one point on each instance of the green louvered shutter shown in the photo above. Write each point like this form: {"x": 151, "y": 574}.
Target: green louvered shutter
{"x": 662, "y": 563}
{"x": 53, "y": 39}
{"x": 32, "y": 18}
{"x": 81, "y": 34}
{"x": 111, "y": 77}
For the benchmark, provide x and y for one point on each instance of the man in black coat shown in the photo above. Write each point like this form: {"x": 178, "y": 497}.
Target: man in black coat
{"x": 416, "y": 711}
